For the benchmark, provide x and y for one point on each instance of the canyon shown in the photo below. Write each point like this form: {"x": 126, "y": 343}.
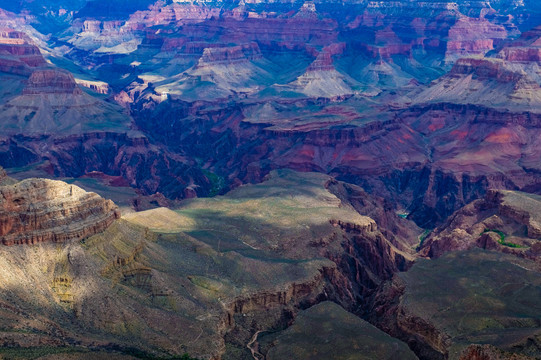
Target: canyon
{"x": 278, "y": 172}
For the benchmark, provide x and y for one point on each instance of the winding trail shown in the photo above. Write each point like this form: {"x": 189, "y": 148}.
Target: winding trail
{"x": 253, "y": 345}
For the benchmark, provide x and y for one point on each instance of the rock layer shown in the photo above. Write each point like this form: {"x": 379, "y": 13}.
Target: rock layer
{"x": 51, "y": 81}
{"x": 506, "y": 221}
{"x": 39, "y": 210}
{"x": 17, "y": 53}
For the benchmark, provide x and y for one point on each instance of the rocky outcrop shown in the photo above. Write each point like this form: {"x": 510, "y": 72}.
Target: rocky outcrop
{"x": 487, "y": 81}
{"x": 51, "y": 81}
{"x": 471, "y": 36}
{"x": 485, "y": 69}
{"x": 505, "y": 221}
{"x": 521, "y": 54}
{"x": 229, "y": 55}
{"x": 526, "y": 49}
{"x": 113, "y": 37}
{"x": 99, "y": 87}
{"x": 18, "y": 55}
{"x": 39, "y": 210}
{"x": 4, "y": 178}
{"x": 321, "y": 79}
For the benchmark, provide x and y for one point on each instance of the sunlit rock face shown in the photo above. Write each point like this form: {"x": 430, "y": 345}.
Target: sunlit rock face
{"x": 17, "y": 53}
{"x": 39, "y": 210}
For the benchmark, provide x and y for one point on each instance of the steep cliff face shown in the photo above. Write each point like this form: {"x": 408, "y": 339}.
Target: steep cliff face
{"x": 229, "y": 55}
{"x": 525, "y": 49}
{"x": 112, "y": 37}
{"x": 470, "y": 145}
{"x": 38, "y": 210}
{"x": 18, "y": 55}
{"x": 51, "y": 81}
{"x": 473, "y": 36}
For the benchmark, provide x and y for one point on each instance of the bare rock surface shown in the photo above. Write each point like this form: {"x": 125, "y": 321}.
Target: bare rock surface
{"x": 506, "y": 221}
{"x": 39, "y": 210}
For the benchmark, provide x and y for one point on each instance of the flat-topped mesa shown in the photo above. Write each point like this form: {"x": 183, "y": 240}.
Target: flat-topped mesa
{"x": 229, "y": 55}
{"x": 51, "y": 81}
{"x": 41, "y": 210}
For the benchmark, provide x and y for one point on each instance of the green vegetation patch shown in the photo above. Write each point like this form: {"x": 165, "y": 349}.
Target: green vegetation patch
{"x": 502, "y": 238}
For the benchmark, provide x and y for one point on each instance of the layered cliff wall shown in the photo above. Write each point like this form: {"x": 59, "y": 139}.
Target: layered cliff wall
{"x": 39, "y": 210}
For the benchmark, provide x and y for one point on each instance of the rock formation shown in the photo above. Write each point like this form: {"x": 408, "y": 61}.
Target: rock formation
{"x": 51, "y": 81}
{"x": 471, "y": 36}
{"x": 18, "y": 55}
{"x": 420, "y": 106}
{"x": 505, "y": 221}
{"x": 322, "y": 80}
{"x": 486, "y": 81}
{"x": 220, "y": 72}
{"x": 229, "y": 55}
{"x": 176, "y": 273}
{"x": 52, "y": 102}
{"x": 38, "y": 210}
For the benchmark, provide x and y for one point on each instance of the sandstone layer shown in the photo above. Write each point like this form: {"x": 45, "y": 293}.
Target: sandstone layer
{"x": 38, "y": 210}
